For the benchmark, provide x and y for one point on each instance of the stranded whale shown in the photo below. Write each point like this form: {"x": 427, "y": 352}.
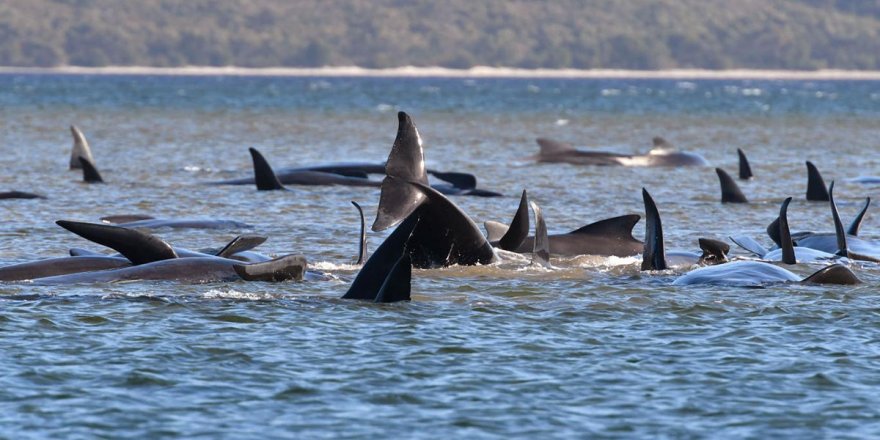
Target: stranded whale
{"x": 663, "y": 154}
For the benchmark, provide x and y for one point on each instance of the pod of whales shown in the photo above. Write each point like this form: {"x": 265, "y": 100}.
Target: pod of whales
{"x": 663, "y": 154}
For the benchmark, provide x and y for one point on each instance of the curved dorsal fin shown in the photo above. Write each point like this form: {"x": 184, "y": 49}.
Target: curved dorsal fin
{"x": 730, "y": 192}
{"x": 362, "y": 249}
{"x": 406, "y": 163}
{"x": 816, "y": 189}
{"x": 80, "y": 148}
{"x": 398, "y": 283}
{"x": 550, "y": 147}
{"x": 541, "y": 249}
{"x": 785, "y": 235}
{"x": 773, "y": 232}
{"x": 620, "y": 226}
{"x": 137, "y": 246}
{"x": 745, "y": 170}
{"x": 264, "y": 176}
{"x": 839, "y": 233}
{"x": 90, "y": 173}
{"x": 857, "y": 222}
{"x": 654, "y": 256}
{"x": 240, "y": 244}
{"x": 519, "y": 226}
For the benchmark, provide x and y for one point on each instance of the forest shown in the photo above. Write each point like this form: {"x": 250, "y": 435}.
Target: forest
{"x": 583, "y": 34}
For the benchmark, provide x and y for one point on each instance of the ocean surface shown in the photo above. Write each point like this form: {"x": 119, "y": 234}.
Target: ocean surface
{"x": 590, "y": 348}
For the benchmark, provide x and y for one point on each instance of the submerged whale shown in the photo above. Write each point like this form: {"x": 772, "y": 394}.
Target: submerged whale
{"x": 663, "y": 154}
{"x": 19, "y": 195}
{"x": 136, "y": 221}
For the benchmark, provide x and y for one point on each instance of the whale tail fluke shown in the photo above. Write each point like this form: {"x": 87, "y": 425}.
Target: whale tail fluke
{"x": 405, "y": 166}
{"x": 288, "y": 267}
{"x": 90, "y": 173}
{"x": 137, "y": 246}
{"x": 730, "y": 192}
{"x": 398, "y": 283}
{"x": 745, "y": 170}
{"x": 816, "y": 189}
{"x": 654, "y": 256}
{"x": 369, "y": 281}
{"x": 263, "y": 174}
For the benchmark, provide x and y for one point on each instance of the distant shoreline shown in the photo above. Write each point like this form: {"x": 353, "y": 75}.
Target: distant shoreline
{"x": 441, "y": 72}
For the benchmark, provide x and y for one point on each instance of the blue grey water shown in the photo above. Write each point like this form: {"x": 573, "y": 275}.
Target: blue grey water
{"x": 590, "y": 348}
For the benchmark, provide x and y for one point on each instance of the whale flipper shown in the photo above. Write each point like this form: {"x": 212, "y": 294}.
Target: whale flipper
{"x": 80, "y": 148}
{"x": 839, "y": 233}
{"x": 288, "y": 267}
{"x": 785, "y": 242}
{"x": 714, "y": 251}
{"x": 654, "y": 256}
{"x": 398, "y": 283}
{"x": 833, "y": 274}
{"x": 458, "y": 180}
{"x": 90, "y": 173}
{"x": 749, "y": 244}
{"x": 240, "y": 244}
{"x": 362, "y": 249}
{"x": 730, "y": 192}
{"x": 369, "y": 280}
{"x": 857, "y": 222}
{"x": 816, "y": 189}
{"x": 263, "y": 174}
{"x": 519, "y": 226}
{"x": 137, "y": 246}
{"x": 495, "y": 230}
{"x": 745, "y": 170}
{"x": 541, "y": 250}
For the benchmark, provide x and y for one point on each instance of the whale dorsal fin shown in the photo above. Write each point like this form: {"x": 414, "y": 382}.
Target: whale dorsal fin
{"x": 745, "y": 170}
{"x": 519, "y": 226}
{"x": 730, "y": 192}
{"x": 406, "y": 163}
{"x": 550, "y": 147}
{"x": 398, "y": 283}
{"x": 839, "y": 233}
{"x": 80, "y": 148}
{"x": 90, "y": 173}
{"x": 661, "y": 146}
{"x": 264, "y": 176}
{"x": 833, "y": 274}
{"x": 288, "y": 267}
{"x": 458, "y": 180}
{"x": 620, "y": 227}
{"x": 749, "y": 245}
{"x": 785, "y": 235}
{"x": 816, "y": 189}
{"x": 773, "y": 232}
{"x": 654, "y": 256}
{"x": 541, "y": 249}
{"x": 857, "y": 222}
{"x": 139, "y": 247}
{"x": 362, "y": 248}
{"x": 240, "y": 244}
{"x": 495, "y": 230}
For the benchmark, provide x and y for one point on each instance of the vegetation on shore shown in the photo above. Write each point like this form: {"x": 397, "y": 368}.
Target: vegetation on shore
{"x": 584, "y": 34}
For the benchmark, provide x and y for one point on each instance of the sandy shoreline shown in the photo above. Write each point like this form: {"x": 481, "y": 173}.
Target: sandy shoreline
{"x": 475, "y": 72}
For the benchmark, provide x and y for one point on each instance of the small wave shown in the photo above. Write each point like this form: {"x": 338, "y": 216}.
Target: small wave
{"x": 235, "y": 294}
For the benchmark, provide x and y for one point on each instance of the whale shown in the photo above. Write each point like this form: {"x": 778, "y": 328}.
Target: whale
{"x": 19, "y": 195}
{"x": 730, "y": 192}
{"x": 663, "y": 154}
{"x": 80, "y": 149}
{"x": 745, "y": 170}
{"x": 135, "y": 221}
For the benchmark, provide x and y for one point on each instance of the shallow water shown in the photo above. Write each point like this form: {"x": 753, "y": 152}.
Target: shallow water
{"x": 593, "y": 347}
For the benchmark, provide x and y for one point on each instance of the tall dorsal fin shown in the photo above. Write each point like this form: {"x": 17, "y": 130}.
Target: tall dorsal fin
{"x": 458, "y": 180}
{"x": 550, "y": 147}
{"x": 240, "y": 244}
{"x": 519, "y": 226}
{"x": 90, "y": 173}
{"x": 816, "y": 189}
{"x": 785, "y": 235}
{"x": 654, "y": 256}
{"x": 857, "y": 222}
{"x": 137, "y": 246}
{"x": 80, "y": 148}
{"x": 839, "y": 233}
{"x": 398, "y": 284}
{"x": 495, "y": 230}
{"x": 620, "y": 226}
{"x": 362, "y": 248}
{"x": 406, "y": 163}
{"x": 541, "y": 249}
{"x": 745, "y": 170}
{"x": 263, "y": 174}
{"x": 730, "y": 192}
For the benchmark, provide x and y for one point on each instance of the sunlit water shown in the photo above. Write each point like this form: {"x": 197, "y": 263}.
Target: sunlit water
{"x": 593, "y": 347}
